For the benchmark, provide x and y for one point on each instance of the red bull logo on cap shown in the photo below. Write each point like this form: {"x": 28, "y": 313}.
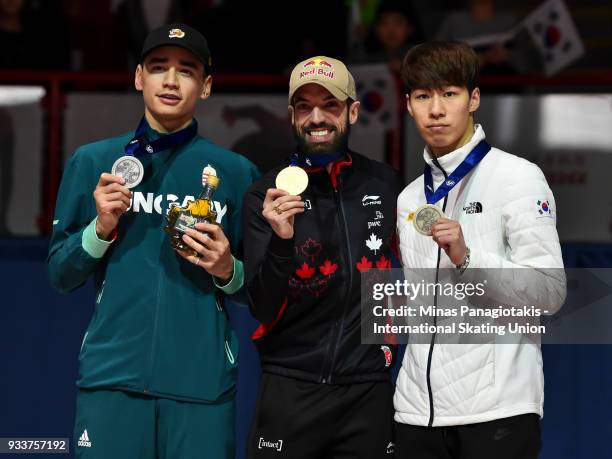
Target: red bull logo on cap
{"x": 176, "y": 33}
{"x": 318, "y": 67}
{"x": 318, "y": 62}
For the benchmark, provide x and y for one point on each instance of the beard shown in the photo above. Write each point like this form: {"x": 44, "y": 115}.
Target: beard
{"x": 338, "y": 144}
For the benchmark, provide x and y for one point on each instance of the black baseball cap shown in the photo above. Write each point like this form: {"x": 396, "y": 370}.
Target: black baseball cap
{"x": 178, "y": 34}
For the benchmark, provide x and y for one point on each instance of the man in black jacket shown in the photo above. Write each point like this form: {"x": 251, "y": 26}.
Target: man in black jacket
{"x": 323, "y": 394}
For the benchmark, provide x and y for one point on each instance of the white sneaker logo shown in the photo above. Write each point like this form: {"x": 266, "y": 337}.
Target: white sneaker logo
{"x": 390, "y": 448}
{"x": 84, "y": 440}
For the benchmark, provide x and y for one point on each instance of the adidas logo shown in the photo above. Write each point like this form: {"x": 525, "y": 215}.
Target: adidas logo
{"x": 474, "y": 208}
{"x": 84, "y": 440}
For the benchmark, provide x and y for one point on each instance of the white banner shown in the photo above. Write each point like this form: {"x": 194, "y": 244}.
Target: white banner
{"x": 21, "y": 159}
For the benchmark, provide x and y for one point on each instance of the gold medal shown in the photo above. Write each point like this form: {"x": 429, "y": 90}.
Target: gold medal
{"x": 425, "y": 217}
{"x": 292, "y": 179}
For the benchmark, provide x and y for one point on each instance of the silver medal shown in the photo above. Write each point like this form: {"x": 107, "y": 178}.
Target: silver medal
{"x": 425, "y": 217}
{"x": 130, "y": 169}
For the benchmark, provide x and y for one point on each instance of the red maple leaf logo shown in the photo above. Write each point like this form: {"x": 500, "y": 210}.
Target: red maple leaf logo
{"x": 305, "y": 271}
{"x": 364, "y": 265}
{"x": 328, "y": 268}
{"x": 383, "y": 263}
{"x": 311, "y": 249}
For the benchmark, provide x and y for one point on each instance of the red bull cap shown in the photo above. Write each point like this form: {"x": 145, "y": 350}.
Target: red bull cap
{"x": 330, "y": 73}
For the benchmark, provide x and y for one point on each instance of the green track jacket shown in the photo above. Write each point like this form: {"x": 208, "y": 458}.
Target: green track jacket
{"x": 159, "y": 326}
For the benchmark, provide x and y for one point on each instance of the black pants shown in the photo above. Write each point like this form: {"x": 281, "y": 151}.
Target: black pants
{"x": 517, "y": 437}
{"x": 298, "y": 419}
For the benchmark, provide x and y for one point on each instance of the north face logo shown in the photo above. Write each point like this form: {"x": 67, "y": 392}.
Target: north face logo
{"x": 474, "y": 208}
{"x": 84, "y": 440}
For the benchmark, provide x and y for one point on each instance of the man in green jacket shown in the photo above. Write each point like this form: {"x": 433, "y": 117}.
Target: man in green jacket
{"x": 157, "y": 366}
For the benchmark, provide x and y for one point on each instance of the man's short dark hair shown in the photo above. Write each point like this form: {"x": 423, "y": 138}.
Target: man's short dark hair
{"x": 435, "y": 64}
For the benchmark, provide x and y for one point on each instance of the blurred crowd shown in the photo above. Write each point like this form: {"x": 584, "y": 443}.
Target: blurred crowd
{"x": 255, "y": 37}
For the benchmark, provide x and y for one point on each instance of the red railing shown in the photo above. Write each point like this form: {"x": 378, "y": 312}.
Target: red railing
{"x": 58, "y": 83}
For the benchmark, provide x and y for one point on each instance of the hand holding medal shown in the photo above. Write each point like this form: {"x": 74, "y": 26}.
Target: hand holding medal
{"x": 425, "y": 217}
{"x": 282, "y": 203}
{"x": 112, "y": 199}
{"x": 448, "y": 235}
{"x": 292, "y": 179}
{"x": 429, "y": 219}
{"x": 130, "y": 169}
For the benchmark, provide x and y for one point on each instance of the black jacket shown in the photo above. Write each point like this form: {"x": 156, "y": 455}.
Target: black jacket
{"x": 306, "y": 291}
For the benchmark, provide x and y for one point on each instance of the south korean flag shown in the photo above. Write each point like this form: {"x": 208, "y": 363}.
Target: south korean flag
{"x": 553, "y": 31}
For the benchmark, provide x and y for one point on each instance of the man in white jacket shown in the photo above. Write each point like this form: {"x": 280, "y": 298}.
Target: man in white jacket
{"x": 472, "y": 400}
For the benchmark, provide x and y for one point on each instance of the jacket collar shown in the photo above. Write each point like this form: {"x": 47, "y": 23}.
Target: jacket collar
{"x": 450, "y": 161}
{"x": 337, "y": 167}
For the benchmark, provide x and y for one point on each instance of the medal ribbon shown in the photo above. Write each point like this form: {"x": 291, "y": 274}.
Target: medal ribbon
{"x": 463, "y": 169}
{"x": 321, "y": 160}
{"x": 139, "y": 145}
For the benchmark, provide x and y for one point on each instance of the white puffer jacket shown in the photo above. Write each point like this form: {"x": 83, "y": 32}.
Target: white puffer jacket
{"x": 505, "y": 223}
